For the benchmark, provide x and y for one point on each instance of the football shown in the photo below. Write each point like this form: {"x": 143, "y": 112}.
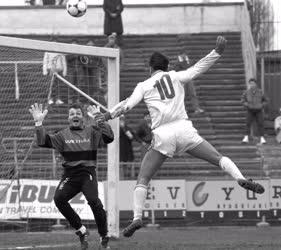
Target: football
{"x": 76, "y": 8}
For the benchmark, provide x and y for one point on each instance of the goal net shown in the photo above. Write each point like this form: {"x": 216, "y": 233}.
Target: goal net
{"x": 56, "y": 75}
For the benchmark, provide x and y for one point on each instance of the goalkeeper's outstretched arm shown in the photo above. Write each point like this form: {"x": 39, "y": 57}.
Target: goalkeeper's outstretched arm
{"x": 43, "y": 139}
{"x": 104, "y": 128}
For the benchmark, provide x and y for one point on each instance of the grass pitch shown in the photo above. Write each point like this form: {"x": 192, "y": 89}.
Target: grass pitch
{"x": 188, "y": 238}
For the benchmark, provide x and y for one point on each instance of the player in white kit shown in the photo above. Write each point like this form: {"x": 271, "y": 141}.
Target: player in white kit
{"x": 173, "y": 133}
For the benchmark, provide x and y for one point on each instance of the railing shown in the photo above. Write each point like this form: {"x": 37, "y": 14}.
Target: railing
{"x": 248, "y": 45}
{"x": 12, "y": 146}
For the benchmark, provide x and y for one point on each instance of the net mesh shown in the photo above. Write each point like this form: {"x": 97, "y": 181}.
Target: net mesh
{"x": 27, "y": 78}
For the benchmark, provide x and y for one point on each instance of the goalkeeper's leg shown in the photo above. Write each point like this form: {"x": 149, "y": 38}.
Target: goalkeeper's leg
{"x": 151, "y": 162}
{"x": 65, "y": 191}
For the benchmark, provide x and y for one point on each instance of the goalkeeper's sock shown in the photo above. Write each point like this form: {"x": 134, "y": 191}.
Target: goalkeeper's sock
{"x": 229, "y": 166}
{"x": 82, "y": 229}
{"x": 140, "y": 193}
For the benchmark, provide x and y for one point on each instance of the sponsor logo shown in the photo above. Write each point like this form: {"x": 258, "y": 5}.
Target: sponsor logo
{"x": 77, "y": 141}
{"x": 32, "y": 193}
{"x": 174, "y": 198}
{"x": 199, "y": 198}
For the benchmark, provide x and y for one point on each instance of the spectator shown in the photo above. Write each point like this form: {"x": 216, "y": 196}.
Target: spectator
{"x": 127, "y": 135}
{"x": 73, "y": 68}
{"x": 78, "y": 67}
{"x": 92, "y": 71}
{"x": 277, "y": 127}
{"x": 49, "y": 2}
{"x": 54, "y": 63}
{"x": 112, "y": 18}
{"x": 89, "y": 66}
{"x": 254, "y": 101}
{"x": 112, "y": 43}
{"x": 182, "y": 64}
{"x": 144, "y": 133}
{"x": 103, "y": 93}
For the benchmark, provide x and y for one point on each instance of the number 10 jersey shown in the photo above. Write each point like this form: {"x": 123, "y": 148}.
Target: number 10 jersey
{"x": 163, "y": 93}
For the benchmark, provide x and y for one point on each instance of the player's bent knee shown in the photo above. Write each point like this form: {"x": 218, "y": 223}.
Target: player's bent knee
{"x": 60, "y": 199}
{"x": 95, "y": 203}
{"x": 225, "y": 161}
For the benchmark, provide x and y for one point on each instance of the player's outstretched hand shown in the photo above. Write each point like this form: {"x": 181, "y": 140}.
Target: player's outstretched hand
{"x": 220, "y": 44}
{"x": 119, "y": 109}
{"x": 37, "y": 112}
{"x": 96, "y": 115}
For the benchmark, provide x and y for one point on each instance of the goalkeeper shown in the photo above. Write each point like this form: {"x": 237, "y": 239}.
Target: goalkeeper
{"x": 78, "y": 145}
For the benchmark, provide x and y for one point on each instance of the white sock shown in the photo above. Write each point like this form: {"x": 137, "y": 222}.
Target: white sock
{"x": 82, "y": 229}
{"x": 229, "y": 166}
{"x": 140, "y": 193}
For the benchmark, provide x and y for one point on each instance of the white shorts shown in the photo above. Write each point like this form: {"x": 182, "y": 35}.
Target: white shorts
{"x": 175, "y": 138}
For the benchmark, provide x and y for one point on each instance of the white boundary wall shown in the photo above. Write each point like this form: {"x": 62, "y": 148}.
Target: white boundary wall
{"x": 137, "y": 19}
{"x": 100, "y": 2}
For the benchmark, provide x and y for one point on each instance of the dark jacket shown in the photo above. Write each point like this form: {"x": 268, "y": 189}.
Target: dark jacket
{"x": 179, "y": 66}
{"x": 126, "y": 147}
{"x": 253, "y": 98}
{"x": 113, "y": 24}
{"x": 78, "y": 147}
{"x": 144, "y": 132}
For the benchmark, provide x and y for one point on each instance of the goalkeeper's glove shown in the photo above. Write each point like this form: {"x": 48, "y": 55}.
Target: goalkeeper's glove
{"x": 96, "y": 115}
{"x": 116, "y": 111}
{"x": 220, "y": 44}
{"x": 38, "y": 113}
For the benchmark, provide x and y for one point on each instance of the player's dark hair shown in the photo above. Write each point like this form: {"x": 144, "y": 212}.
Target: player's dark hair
{"x": 158, "y": 61}
{"x": 76, "y": 106}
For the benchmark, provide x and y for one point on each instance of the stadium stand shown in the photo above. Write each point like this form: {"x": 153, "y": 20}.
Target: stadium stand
{"x": 219, "y": 91}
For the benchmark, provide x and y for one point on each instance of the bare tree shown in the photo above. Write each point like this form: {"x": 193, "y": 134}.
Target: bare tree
{"x": 262, "y": 23}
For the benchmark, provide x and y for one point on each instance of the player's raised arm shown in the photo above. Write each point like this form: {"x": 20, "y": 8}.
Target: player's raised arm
{"x": 125, "y": 105}
{"x": 205, "y": 63}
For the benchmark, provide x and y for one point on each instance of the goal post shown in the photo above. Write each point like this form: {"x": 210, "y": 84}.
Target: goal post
{"x": 31, "y": 52}
{"x": 113, "y": 150}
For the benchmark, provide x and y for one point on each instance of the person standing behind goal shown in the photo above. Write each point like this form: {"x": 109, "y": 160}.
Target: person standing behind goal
{"x": 78, "y": 146}
{"x": 173, "y": 132}
{"x": 54, "y": 63}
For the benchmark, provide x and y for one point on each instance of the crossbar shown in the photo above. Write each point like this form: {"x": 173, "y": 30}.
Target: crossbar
{"x": 64, "y": 48}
